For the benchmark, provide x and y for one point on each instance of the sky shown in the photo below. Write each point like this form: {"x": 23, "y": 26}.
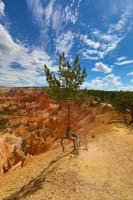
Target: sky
{"x": 36, "y": 32}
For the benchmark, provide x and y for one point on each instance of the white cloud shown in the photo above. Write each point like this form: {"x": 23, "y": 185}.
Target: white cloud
{"x": 101, "y": 67}
{"x": 106, "y": 42}
{"x": 70, "y": 15}
{"x": 47, "y": 15}
{"x": 2, "y": 7}
{"x": 11, "y": 51}
{"x": 122, "y": 58}
{"x": 126, "y": 62}
{"x": 89, "y": 42}
{"x": 61, "y": 17}
{"x": 106, "y": 48}
{"x": 94, "y": 45}
{"x": 103, "y": 37}
{"x": 91, "y": 54}
{"x": 123, "y": 22}
{"x": 37, "y": 10}
{"x": 96, "y": 83}
{"x": 112, "y": 80}
{"x": 132, "y": 80}
{"x": 130, "y": 74}
{"x": 16, "y": 77}
{"x": 104, "y": 45}
{"x": 65, "y": 42}
{"x": 126, "y": 88}
{"x": 109, "y": 82}
{"x": 49, "y": 10}
{"x": 85, "y": 55}
{"x": 55, "y": 16}
{"x": 32, "y": 61}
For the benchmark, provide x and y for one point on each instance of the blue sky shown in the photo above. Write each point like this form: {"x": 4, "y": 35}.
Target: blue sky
{"x": 35, "y": 32}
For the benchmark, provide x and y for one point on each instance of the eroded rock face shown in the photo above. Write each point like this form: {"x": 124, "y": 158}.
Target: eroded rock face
{"x": 10, "y": 152}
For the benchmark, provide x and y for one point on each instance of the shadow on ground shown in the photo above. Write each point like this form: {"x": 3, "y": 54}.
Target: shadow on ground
{"x": 35, "y": 183}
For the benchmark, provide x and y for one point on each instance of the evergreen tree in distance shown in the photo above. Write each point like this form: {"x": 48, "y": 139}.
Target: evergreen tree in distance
{"x": 64, "y": 87}
{"x": 124, "y": 103}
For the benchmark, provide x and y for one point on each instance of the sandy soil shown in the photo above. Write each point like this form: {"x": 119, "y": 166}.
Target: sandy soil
{"x": 104, "y": 172}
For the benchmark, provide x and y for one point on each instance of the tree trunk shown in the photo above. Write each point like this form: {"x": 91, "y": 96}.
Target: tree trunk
{"x": 70, "y": 135}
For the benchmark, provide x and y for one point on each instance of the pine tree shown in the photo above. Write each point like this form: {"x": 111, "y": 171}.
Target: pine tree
{"x": 64, "y": 87}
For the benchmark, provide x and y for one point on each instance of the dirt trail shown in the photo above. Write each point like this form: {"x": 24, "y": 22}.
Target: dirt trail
{"x": 104, "y": 172}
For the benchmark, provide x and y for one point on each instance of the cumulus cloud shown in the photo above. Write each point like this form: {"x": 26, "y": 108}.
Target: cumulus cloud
{"x": 101, "y": 67}
{"x": 11, "y": 51}
{"x": 2, "y": 7}
{"x": 112, "y": 80}
{"x": 16, "y": 77}
{"x": 31, "y": 60}
{"x": 109, "y": 82}
{"x": 96, "y": 83}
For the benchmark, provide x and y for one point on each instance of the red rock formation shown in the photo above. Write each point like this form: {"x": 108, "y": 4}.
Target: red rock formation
{"x": 40, "y": 121}
{"x": 10, "y": 152}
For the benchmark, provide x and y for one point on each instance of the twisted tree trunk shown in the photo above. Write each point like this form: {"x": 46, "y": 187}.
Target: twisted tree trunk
{"x": 69, "y": 134}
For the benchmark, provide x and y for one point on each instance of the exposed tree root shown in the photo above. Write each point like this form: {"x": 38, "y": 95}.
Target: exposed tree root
{"x": 74, "y": 138}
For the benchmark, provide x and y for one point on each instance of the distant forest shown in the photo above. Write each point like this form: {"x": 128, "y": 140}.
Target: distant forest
{"x": 121, "y": 100}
